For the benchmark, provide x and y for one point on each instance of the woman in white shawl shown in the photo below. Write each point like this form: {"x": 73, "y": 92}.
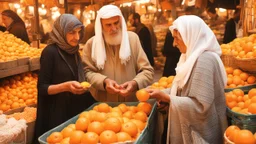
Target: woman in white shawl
{"x": 197, "y": 109}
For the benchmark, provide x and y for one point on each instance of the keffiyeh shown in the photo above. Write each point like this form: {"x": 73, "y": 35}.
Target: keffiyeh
{"x": 98, "y": 46}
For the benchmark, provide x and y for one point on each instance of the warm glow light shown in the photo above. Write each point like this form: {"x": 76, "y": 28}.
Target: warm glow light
{"x": 19, "y": 11}
{"x": 42, "y": 5}
{"x": 159, "y": 10}
{"x": 78, "y": 12}
{"x": 222, "y": 10}
{"x": 17, "y": 6}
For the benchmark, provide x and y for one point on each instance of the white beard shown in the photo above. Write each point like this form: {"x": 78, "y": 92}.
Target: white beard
{"x": 113, "y": 40}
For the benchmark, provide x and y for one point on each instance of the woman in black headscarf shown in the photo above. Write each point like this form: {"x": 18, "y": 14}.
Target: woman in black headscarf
{"x": 60, "y": 95}
{"x": 15, "y": 25}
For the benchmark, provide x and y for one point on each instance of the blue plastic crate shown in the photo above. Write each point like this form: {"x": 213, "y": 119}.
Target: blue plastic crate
{"x": 246, "y": 89}
{"x": 242, "y": 121}
{"x": 146, "y": 135}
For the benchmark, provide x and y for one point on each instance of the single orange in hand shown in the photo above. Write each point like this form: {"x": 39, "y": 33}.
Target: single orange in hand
{"x": 142, "y": 95}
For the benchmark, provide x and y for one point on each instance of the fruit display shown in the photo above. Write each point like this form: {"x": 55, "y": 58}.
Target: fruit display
{"x": 105, "y": 124}
{"x": 28, "y": 114}
{"x": 241, "y": 47}
{"x": 238, "y": 78}
{"x": 235, "y": 135}
{"x": 18, "y": 91}
{"x": 163, "y": 83}
{"x": 13, "y": 48}
{"x": 242, "y": 103}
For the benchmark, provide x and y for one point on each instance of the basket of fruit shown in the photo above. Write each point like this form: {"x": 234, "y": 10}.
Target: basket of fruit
{"x": 228, "y": 60}
{"x": 246, "y": 64}
{"x": 109, "y": 122}
{"x": 235, "y": 135}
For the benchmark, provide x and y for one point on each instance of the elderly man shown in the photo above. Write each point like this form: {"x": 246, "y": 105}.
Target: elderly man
{"x": 115, "y": 63}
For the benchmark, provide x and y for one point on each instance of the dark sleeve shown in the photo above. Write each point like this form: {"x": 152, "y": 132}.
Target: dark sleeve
{"x": 46, "y": 70}
{"x": 230, "y": 31}
{"x": 145, "y": 40}
{"x": 169, "y": 49}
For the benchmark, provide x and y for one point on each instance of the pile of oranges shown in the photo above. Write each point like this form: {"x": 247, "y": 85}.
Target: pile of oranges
{"x": 241, "y": 47}
{"x": 13, "y": 48}
{"x": 242, "y": 103}
{"x": 105, "y": 124}
{"x": 238, "y": 78}
{"x": 163, "y": 83}
{"x": 18, "y": 91}
{"x": 238, "y": 136}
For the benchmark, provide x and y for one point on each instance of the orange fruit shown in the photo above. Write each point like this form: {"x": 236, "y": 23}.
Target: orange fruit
{"x": 65, "y": 140}
{"x": 252, "y": 93}
{"x": 140, "y": 125}
{"x": 95, "y": 127}
{"x": 141, "y": 116}
{"x": 73, "y": 126}
{"x": 54, "y": 137}
{"x": 236, "y": 80}
{"x": 95, "y": 108}
{"x": 252, "y": 108}
{"x": 128, "y": 114}
{"x": 142, "y": 95}
{"x": 15, "y": 105}
{"x": 237, "y": 72}
{"x": 123, "y": 136}
{"x": 85, "y": 114}
{"x": 103, "y": 107}
{"x": 236, "y": 109}
{"x": 244, "y": 137}
{"x": 76, "y": 136}
{"x": 107, "y": 137}
{"x": 100, "y": 117}
{"x": 145, "y": 107}
{"x": 230, "y": 80}
{"x": 130, "y": 128}
{"x": 134, "y": 109}
{"x": 123, "y": 107}
{"x": 241, "y": 105}
{"x": 229, "y": 70}
{"x": 113, "y": 124}
{"x": 244, "y": 76}
{"x": 246, "y": 97}
{"x": 233, "y": 134}
{"x": 117, "y": 109}
{"x": 232, "y": 104}
{"x": 82, "y": 124}
{"x": 251, "y": 80}
{"x": 170, "y": 79}
{"x": 66, "y": 132}
{"x": 163, "y": 79}
{"x": 90, "y": 138}
{"x": 230, "y": 130}
{"x": 253, "y": 99}
{"x": 238, "y": 92}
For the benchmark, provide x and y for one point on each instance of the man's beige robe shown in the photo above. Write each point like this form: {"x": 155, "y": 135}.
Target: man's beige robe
{"x": 137, "y": 68}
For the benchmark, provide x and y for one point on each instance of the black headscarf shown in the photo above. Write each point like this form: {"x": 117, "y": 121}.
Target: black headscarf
{"x": 14, "y": 16}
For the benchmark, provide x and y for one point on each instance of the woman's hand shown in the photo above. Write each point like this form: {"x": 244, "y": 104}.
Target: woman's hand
{"x": 158, "y": 95}
{"x": 75, "y": 87}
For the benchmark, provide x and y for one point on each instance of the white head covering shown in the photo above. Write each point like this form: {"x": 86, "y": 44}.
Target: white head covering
{"x": 198, "y": 38}
{"x": 98, "y": 46}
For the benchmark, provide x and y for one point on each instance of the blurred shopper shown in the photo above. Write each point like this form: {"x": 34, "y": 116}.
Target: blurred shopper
{"x": 144, "y": 35}
{"x": 15, "y": 25}
{"x": 172, "y": 55}
{"x": 215, "y": 19}
{"x": 60, "y": 95}
{"x": 196, "y": 100}
{"x": 232, "y": 27}
{"x": 116, "y": 64}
